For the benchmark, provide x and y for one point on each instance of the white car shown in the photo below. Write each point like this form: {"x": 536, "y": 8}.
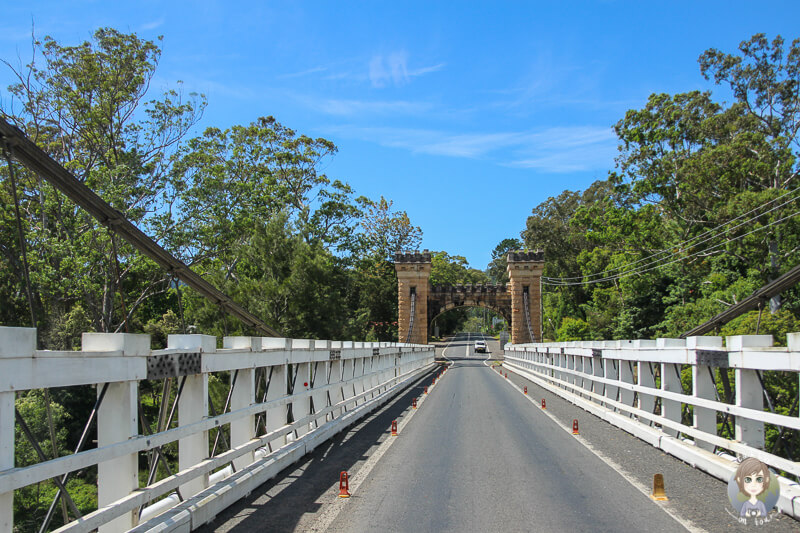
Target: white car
{"x": 480, "y": 347}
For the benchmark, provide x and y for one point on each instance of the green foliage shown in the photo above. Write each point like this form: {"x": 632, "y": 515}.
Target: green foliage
{"x": 452, "y": 270}
{"x": 497, "y": 267}
{"x": 32, "y": 503}
{"x": 573, "y": 329}
{"x": 159, "y": 329}
{"x": 247, "y": 207}
{"x": 777, "y": 324}
{"x": 85, "y": 106}
{"x": 31, "y": 405}
{"x": 700, "y": 212}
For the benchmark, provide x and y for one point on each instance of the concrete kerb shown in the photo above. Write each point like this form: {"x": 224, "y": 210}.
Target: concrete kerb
{"x": 712, "y": 464}
{"x": 204, "y": 506}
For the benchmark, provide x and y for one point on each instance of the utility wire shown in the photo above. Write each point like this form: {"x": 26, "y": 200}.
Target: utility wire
{"x": 643, "y": 270}
{"x": 652, "y": 259}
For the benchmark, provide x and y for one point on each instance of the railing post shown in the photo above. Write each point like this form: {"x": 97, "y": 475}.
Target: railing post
{"x": 625, "y": 376}
{"x": 748, "y": 390}
{"x": 359, "y": 365}
{"x": 14, "y": 343}
{"x": 321, "y": 378}
{"x": 242, "y": 396}
{"x": 611, "y": 371}
{"x": 349, "y": 371}
{"x": 597, "y": 369}
{"x": 570, "y": 365}
{"x": 585, "y": 363}
{"x": 671, "y": 382}
{"x": 275, "y": 417}
{"x": 193, "y": 407}
{"x": 6, "y": 455}
{"x": 337, "y": 376}
{"x": 117, "y": 421}
{"x": 704, "y": 386}
{"x": 645, "y": 376}
{"x": 302, "y": 350}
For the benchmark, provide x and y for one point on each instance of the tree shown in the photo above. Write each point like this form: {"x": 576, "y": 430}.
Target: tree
{"x": 764, "y": 80}
{"x": 496, "y": 269}
{"x": 449, "y": 269}
{"x": 85, "y": 106}
{"x": 387, "y": 232}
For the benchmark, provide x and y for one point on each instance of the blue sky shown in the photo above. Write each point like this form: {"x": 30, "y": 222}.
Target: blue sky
{"x": 465, "y": 114}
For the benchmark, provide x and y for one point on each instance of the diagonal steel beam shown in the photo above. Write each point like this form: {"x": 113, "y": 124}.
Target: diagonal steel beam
{"x": 34, "y": 158}
{"x": 42, "y": 457}
{"x": 786, "y": 281}
{"x": 78, "y": 448}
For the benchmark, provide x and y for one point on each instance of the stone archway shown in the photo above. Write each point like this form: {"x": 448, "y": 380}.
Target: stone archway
{"x": 419, "y": 302}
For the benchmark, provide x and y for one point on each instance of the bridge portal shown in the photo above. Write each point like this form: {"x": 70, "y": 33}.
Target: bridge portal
{"x": 518, "y": 301}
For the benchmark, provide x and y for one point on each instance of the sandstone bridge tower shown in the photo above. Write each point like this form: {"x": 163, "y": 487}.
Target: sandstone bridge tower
{"x": 518, "y": 301}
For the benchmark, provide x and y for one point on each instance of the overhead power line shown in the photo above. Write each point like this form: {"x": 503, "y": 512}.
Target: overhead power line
{"x": 643, "y": 270}
{"x": 655, "y": 258}
{"x": 30, "y": 155}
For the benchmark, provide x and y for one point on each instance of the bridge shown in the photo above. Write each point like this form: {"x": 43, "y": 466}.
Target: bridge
{"x": 558, "y": 436}
{"x": 518, "y": 302}
{"x": 479, "y": 434}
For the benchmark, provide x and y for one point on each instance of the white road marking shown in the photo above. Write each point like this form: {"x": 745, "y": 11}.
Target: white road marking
{"x": 665, "y": 506}
{"x": 329, "y": 513}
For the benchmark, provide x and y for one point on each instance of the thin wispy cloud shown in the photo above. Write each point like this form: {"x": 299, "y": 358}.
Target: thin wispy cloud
{"x": 426, "y": 70}
{"x": 568, "y": 149}
{"x": 153, "y": 24}
{"x": 302, "y": 73}
{"x": 364, "y": 108}
{"x": 392, "y": 70}
{"x": 554, "y": 150}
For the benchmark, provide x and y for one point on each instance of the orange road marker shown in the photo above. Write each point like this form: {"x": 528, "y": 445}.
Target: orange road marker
{"x": 394, "y": 428}
{"x": 426, "y": 390}
{"x": 526, "y": 390}
{"x": 544, "y": 404}
{"x": 413, "y": 403}
{"x": 344, "y": 486}
{"x": 575, "y": 426}
{"x": 658, "y": 488}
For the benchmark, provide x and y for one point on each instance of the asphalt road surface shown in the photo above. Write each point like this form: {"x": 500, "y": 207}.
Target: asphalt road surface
{"x": 478, "y": 457}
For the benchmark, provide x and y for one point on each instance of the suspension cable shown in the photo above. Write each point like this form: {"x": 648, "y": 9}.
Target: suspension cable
{"x": 413, "y": 313}
{"x": 7, "y": 149}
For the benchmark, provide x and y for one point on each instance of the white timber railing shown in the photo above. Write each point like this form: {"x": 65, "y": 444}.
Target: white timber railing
{"x": 694, "y": 398}
{"x": 284, "y": 397}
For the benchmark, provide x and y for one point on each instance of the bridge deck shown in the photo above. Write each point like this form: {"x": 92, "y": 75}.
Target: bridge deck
{"x": 479, "y": 456}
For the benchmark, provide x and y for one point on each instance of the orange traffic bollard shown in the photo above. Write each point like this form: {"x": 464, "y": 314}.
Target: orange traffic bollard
{"x": 526, "y": 390}
{"x": 343, "y": 486}
{"x": 544, "y": 404}
{"x": 426, "y": 390}
{"x": 575, "y": 426}
{"x": 394, "y": 428}
{"x": 658, "y": 488}
{"x": 413, "y": 403}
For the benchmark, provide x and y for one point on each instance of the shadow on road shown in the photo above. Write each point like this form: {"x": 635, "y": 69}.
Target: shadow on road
{"x": 281, "y": 503}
